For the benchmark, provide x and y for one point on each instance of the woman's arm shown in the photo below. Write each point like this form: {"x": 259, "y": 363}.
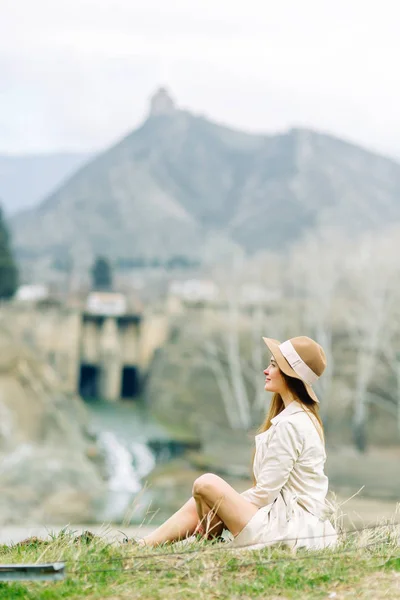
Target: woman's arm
{"x": 277, "y": 461}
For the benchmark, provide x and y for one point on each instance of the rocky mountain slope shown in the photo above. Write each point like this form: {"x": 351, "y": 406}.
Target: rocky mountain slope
{"x": 26, "y": 180}
{"x": 48, "y": 466}
{"x": 179, "y": 179}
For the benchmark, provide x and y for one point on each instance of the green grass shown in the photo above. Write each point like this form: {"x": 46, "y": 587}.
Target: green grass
{"x": 98, "y": 569}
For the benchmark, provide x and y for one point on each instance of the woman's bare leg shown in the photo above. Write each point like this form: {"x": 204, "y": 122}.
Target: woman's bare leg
{"x": 210, "y": 525}
{"x": 228, "y": 506}
{"x": 215, "y": 504}
{"x": 180, "y": 525}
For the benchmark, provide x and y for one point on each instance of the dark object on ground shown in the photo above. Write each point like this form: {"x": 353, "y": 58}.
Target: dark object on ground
{"x": 86, "y": 537}
{"x": 45, "y": 572}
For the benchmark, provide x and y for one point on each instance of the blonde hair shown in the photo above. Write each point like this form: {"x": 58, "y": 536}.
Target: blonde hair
{"x": 296, "y": 386}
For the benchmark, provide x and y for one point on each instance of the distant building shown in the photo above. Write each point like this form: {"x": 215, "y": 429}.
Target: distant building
{"x": 161, "y": 103}
{"x": 253, "y": 294}
{"x": 194, "y": 290}
{"x": 32, "y": 293}
{"x": 106, "y": 304}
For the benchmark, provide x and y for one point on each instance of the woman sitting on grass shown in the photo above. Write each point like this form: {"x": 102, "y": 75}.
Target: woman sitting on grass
{"x": 287, "y": 503}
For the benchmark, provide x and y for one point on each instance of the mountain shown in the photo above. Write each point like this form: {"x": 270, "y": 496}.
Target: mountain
{"x": 180, "y": 180}
{"x": 26, "y": 180}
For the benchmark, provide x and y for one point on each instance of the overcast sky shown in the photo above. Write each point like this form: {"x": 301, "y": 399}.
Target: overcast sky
{"x": 77, "y": 74}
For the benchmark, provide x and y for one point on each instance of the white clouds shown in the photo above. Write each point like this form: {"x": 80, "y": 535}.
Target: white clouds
{"x": 80, "y": 71}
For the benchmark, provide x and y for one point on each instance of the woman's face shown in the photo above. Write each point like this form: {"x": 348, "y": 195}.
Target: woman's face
{"x": 274, "y": 381}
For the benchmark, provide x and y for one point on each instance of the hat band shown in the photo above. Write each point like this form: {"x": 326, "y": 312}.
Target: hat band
{"x": 298, "y": 365}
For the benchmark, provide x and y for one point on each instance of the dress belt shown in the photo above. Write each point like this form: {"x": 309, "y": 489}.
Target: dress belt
{"x": 291, "y": 500}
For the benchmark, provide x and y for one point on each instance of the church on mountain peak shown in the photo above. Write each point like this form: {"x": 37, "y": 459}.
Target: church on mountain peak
{"x": 161, "y": 103}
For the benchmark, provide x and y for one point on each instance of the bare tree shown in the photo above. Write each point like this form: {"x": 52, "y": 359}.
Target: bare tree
{"x": 224, "y": 385}
{"x": 315, "y": 272}
{"x": 239, "y": 373}
{"x": 369, "y": 274}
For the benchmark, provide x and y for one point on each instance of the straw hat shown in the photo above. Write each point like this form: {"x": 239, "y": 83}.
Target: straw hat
{"x": 299, "y": 357}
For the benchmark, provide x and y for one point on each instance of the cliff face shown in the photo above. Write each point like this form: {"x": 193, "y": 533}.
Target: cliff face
{"x": 46, "y": 470}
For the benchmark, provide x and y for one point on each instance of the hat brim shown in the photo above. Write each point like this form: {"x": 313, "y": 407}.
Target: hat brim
{"x": 273, "y": 346}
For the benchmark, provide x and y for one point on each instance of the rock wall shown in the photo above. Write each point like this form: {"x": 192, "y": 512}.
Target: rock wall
{"x": 48, "y": 468}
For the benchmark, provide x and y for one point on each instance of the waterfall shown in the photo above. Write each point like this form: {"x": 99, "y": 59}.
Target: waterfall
{"x": 123, "y": 476}
{"x": 126, "y": 466}
{"x": 143, "y": 459}
{"x": 122, "y": 430}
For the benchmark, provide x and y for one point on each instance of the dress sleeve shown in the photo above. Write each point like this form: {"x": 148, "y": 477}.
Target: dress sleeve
{"x": 277, "y": 460}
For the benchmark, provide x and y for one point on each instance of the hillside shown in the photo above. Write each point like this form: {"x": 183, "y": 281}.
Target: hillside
{"x": 26, "y": 180}
{"x": 179, "y": 178}
{"x": 47, "y": 473}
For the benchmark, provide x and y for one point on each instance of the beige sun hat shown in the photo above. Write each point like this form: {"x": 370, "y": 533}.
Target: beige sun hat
{"x": 299, "y": 357}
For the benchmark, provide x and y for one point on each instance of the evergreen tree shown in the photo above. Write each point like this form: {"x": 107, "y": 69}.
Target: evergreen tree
{"x": 8, "y": 268}
{"x": 101, "y": 274}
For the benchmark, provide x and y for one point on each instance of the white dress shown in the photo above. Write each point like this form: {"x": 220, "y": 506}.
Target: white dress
{"x": 291, "y": 486}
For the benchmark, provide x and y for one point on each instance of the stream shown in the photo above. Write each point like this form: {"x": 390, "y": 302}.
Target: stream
{"x": 124, "y": 431}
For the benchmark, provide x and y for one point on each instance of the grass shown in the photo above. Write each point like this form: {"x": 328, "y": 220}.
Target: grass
{"x": 98, "y": 569}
